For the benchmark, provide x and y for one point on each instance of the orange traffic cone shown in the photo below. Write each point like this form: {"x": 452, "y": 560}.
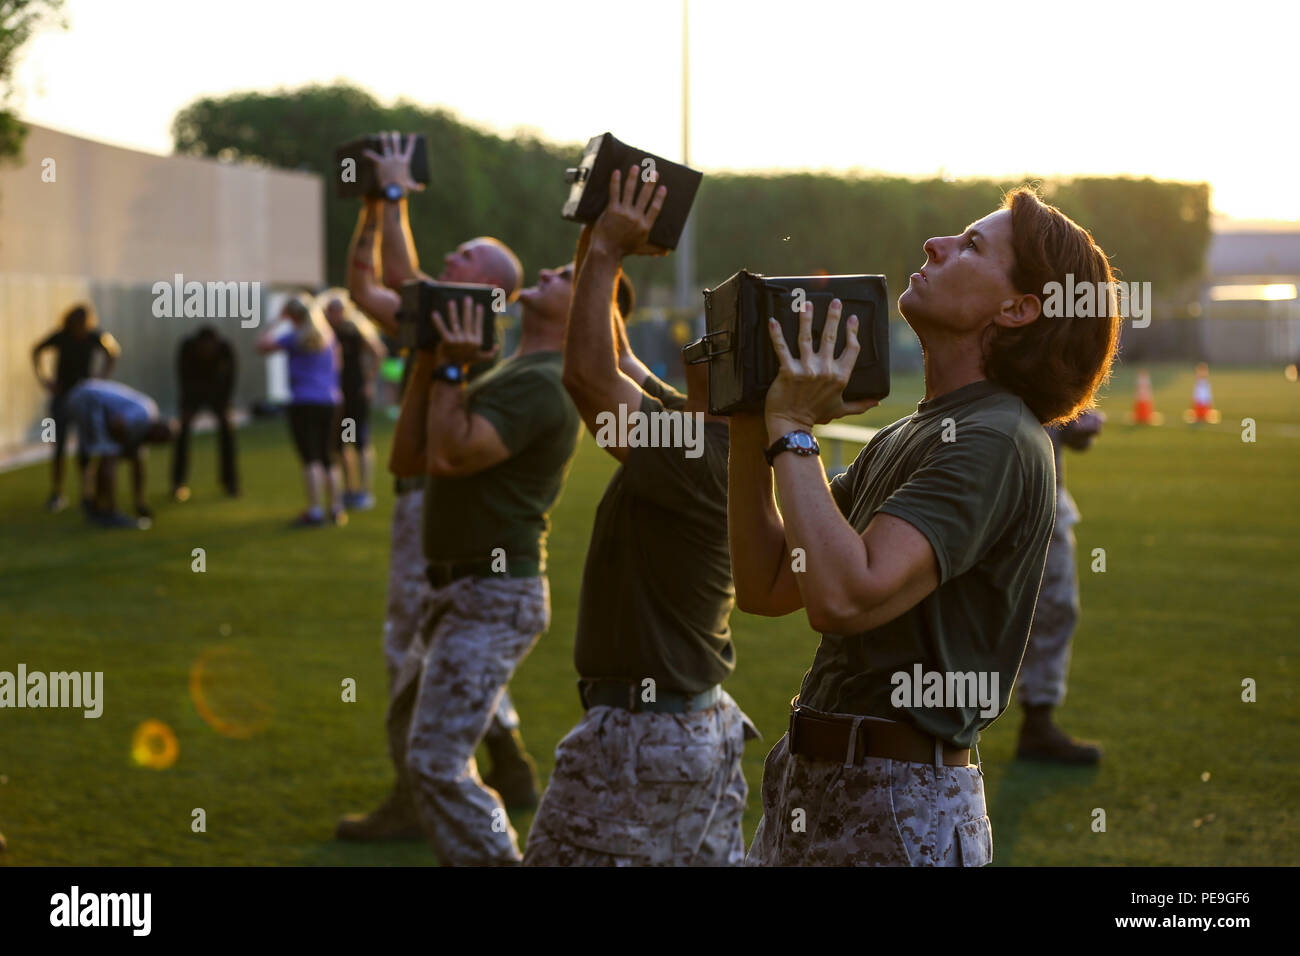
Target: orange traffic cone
{"x": 1144, "y": 411}
{"x": 1202, "y": 409}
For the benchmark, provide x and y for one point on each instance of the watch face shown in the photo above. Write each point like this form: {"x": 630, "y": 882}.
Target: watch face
{"x": 802, "y": 440}
{"x": 393, "y": 191}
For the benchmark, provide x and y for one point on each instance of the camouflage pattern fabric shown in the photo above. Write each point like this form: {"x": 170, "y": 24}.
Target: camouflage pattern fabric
{"x": 1041, "y": 679}
{"x": 646, "y": 789}
{"x": 408, "y": 588}
{"x": 473, "y": 636}
{"x": 409, "y": 594}
{"x": 878, "y": 813}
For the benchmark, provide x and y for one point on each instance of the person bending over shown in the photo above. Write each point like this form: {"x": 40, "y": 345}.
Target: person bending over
{"x": 114, "y": 421}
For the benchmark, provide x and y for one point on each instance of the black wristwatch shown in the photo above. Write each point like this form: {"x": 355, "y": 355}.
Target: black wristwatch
{"x": 449, "y": 372}
{"x": 393, "y": 192}
{"x": 799, "y": 442}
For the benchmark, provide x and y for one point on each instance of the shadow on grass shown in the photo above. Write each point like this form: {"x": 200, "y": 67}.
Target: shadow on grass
{"x": 1025, "y": 784}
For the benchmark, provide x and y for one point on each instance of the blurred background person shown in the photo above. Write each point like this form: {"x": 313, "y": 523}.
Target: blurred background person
{"x": 75, "y": 344}
{"x": 314, "y": 404}
{"x": 1041, "y": 682}
{"x": 362, "y": 352}
{"x": 114, "y": 421}
{"x": 205, "y": 365}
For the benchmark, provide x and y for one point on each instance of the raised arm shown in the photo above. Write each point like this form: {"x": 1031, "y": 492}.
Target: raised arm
{"x": 436, "y": 433}
{"x": 593, "y": 374}
{"x": 267, "y": 342}
{"x": 401, "y": 262}
{"x": 628, "y": 363}
{"x": 853, "y": 582}
{"x": 112, "y": 352}
{"x": 377, "y": 302}
{"x": 761, "y": 563}
{"x": 459, "y": 443}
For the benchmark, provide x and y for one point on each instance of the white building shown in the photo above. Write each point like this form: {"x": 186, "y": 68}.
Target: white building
{"x": 84, "y": 221}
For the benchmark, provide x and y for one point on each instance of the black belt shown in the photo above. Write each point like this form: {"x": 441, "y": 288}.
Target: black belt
{"x": 629, "y": 696}
{"x": 402, "y": 485}
{"x": 847, "y": 739}
{"x": 442, "y": 573}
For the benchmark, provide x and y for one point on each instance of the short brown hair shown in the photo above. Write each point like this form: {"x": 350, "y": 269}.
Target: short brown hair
{"x": 1055, "y": 364}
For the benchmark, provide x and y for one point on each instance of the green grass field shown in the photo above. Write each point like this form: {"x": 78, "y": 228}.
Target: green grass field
{"x": 1201, "y": 533}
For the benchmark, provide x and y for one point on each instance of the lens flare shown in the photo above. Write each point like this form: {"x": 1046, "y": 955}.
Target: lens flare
{"x": 232, "y": 692}
{"x": 153, "y": 745}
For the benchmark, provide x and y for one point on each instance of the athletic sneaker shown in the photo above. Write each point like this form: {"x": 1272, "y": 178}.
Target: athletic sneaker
{"x": 55, "y": 504}
{"x": 361, "y": 501}
{"x": 116, "y": 519}
{"x": 311, "y": 518}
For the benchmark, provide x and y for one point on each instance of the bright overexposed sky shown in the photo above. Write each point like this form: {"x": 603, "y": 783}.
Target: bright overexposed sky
{"x": 1189, "y": 91}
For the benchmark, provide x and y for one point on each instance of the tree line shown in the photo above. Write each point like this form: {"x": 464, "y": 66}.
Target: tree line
{"x": 791, "y": 224}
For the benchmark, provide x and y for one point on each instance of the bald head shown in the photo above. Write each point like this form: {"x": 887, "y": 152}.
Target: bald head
{"x": 486, "y": 261}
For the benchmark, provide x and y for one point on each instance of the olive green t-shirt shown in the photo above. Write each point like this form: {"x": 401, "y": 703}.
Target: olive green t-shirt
{"x": 506, "y": 506}
{"x": 985, "y": 500}
{"x": 656, "y": 589}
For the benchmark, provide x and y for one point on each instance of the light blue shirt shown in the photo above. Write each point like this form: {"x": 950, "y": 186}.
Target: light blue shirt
{"x": 95, "y": 402}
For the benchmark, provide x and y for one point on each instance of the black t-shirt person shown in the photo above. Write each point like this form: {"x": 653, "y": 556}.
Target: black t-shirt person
{"x": 656, "y": 590}
{"x": 352, "y": 375}
{"x": 75, "y": 355}
{"x": 205, "y": 364}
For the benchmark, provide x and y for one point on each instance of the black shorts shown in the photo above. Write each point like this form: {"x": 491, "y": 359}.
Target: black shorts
{"x": 313, "y": 428}
{"x": 357, "y": 408}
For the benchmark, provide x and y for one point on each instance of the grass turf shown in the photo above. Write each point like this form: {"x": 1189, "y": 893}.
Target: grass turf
{"x": 1201, "y": 533}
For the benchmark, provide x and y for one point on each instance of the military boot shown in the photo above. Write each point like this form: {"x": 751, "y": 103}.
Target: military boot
{"x": 1040, "y": 739}
{"x": 394, "y": 819}
{"x": 513, "y": 773}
